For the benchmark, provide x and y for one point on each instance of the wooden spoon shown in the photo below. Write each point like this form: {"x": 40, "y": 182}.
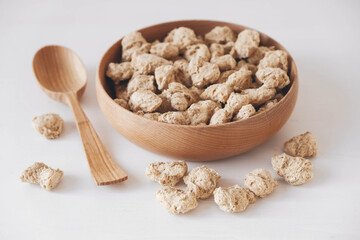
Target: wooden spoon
{"x": 62, "y": 76}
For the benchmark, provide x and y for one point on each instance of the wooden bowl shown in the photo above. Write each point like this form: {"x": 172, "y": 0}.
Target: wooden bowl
{"x": 194, "y": 143}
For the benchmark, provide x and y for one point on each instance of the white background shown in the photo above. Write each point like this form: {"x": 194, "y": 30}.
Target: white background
{"x": 322, "y": 36}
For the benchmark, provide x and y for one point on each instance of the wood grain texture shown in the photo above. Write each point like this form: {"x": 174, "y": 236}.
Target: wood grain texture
{"x": 194, "y": 143}
{"x": 62, "y": 76}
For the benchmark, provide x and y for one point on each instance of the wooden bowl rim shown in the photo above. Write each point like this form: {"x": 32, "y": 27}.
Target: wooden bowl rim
{"x": 244, "y": 121}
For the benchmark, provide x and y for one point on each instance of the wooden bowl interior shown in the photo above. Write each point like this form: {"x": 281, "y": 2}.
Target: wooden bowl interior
{"x": 159, "y": 32}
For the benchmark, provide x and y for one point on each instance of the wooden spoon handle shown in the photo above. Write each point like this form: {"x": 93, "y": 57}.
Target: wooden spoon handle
{"x": 104, "y": 170}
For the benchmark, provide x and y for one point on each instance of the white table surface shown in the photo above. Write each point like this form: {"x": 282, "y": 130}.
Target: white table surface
{"x": 322, "y": 36}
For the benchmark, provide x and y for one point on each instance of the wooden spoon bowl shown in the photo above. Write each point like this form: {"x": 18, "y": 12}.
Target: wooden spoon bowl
{"x": 195, "y": 143}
